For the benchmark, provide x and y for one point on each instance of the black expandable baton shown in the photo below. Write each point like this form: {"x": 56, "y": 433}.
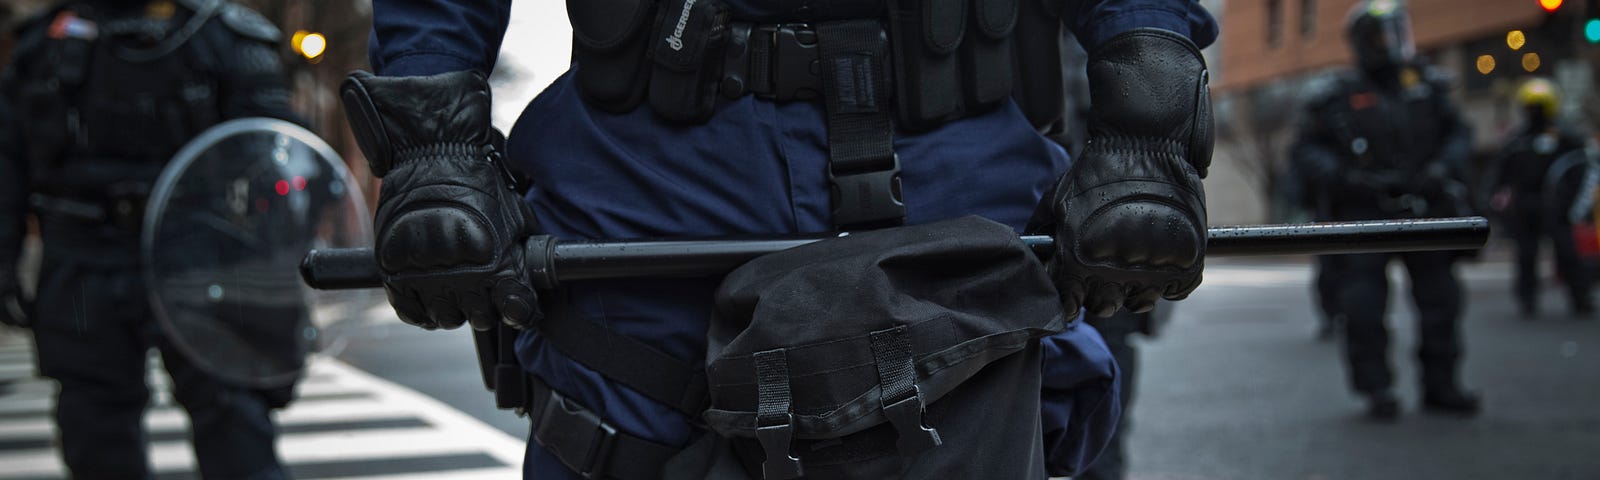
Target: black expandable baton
{"x": 551, "y": 262}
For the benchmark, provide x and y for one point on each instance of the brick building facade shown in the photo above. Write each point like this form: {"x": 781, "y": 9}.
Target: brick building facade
{"x": 1272, "y": 54}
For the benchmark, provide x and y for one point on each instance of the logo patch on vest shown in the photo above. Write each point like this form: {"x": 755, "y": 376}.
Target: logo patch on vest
{"x": 675, "y": 41}
{"x": 69, "y": 25}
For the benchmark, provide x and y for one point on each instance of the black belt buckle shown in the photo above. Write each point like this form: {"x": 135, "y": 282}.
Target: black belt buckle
{"x": 869, "y": 198}
{"x": 796, "y": 63}
{"x": 576, "y": 436}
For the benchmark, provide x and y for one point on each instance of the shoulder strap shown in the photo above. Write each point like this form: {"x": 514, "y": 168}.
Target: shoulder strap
{"x": 863, "y": 170}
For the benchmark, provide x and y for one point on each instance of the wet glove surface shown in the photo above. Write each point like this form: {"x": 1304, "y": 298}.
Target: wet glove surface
{"x": 1129, "y": 216}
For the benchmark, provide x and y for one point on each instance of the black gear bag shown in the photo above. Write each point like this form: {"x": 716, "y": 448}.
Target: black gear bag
{"x": 899, "y": 353}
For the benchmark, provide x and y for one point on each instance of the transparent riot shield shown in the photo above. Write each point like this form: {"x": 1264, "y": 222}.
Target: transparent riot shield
{"x": 225, "y": 229}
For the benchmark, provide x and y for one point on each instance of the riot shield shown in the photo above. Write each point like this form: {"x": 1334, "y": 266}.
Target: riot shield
{"x": 224, "y": 231}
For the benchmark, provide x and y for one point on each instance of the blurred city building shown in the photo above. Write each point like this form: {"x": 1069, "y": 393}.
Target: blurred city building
{"x": 1270, "y": 55}
{"x": 1273, "y": 53}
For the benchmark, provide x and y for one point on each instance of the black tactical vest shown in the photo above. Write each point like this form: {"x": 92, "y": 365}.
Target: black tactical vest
{"x": 948, "y": 59}
{"x": 110, "y": 97}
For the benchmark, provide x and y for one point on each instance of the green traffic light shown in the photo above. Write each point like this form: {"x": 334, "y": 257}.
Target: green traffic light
{"x": 1591, "y": 30}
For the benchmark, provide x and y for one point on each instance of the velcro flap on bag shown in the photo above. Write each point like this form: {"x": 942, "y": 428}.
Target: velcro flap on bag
{"x": 963, "y": 292}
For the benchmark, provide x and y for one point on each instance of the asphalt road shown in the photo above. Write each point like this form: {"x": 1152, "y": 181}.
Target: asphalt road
{"x": 1236, "y": 387}
{"x": 441, "y": 364}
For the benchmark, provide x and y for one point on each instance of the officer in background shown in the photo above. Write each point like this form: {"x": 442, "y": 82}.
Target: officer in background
{"x": 1119, "y": 330}
{"x": 1310, "y": 193}
{"x": 98, "y": 96}
{"x": 749, "y": 137}
{"x": 1304, "y": 190}
{"x": 1387, "y": 141}
{"x": 1534, "y": 196}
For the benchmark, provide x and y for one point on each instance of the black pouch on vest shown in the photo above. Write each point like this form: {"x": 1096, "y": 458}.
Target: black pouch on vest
{"x": 683, "y": 84}
{"x": 986, "y": 54}
{"x": 608, "y": 44}
{"x": 47, "y": 94}
{"x": 1040, "y": 87}
{"x": 925, "y": 36}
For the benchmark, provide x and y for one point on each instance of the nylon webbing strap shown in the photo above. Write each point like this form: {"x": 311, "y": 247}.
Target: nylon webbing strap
{"x": 891, "y": 350}
{"x": 760, "y": 62}
{"x": 862, "y": 167}
{"x": 626, "y": 360}
{"x": 902, "y": 402}
{"x": 620, "y": 455}
{"x": 772, "y": 385}
{"x": 774, "y": 420}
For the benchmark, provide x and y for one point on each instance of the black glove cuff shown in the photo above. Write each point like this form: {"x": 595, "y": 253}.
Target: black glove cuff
{"x": 366, "y": 124}
{"x": 399, "y": 119}
{"x": 1137, "y": 81}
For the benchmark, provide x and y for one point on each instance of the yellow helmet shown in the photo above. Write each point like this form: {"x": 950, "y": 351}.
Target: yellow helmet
{"x": 1539, "y": 92}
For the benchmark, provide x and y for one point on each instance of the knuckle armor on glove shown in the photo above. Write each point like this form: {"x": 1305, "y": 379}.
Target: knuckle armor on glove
{"x": 1129, "y": 216}
{"x": 450, "y": 231}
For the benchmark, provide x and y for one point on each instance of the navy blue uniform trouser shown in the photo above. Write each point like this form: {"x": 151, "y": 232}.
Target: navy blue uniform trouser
{"x": 93, "y": 331}
{"x": 1326, "y": 289}
{"x": 1118, "y": 331}
{"x": 1436, "y": 292}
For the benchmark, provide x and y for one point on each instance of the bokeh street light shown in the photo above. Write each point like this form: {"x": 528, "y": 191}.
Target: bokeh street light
{"x": 310, "y": 45}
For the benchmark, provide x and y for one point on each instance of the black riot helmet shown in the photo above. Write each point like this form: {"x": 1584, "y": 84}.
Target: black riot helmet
{"x": 1380, "y": 36}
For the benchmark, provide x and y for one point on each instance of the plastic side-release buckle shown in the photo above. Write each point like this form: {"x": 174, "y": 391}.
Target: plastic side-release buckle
{"x": 576, "y": 436}
{"x": 906, "y": 415}
{"x": 868, "y": 198}
{"x": 776, "y": 441}
{"x": 797, "y": 63}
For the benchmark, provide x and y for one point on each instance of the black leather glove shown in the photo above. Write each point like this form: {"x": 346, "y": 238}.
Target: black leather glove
{"x": 450, "y": 230}
{"x": 1129, "y": 216}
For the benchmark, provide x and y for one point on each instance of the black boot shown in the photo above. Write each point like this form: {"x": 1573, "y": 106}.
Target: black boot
{"x": 1331, "y": 327}
{"x": 1383, "y": 407}
{"x": 1451, "y": 401}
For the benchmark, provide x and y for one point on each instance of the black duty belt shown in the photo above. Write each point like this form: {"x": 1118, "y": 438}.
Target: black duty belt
{"x": 588, "y": 445}
{"x": 125, "y": 211}
{"x": 844, "y": 64}
{"x": 775, "y": 61}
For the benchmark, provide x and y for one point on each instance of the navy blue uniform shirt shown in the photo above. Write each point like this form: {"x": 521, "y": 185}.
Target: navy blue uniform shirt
{"x": 756, "y": 167}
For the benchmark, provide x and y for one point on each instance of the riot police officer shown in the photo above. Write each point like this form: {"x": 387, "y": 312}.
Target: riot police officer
{"x": 98, "y": 95}
{"x": 696, "y": 118}
{"x": 1388, "y": 142}
{"x": 1310, "y": 193}
{"x": 1534, "y": 194}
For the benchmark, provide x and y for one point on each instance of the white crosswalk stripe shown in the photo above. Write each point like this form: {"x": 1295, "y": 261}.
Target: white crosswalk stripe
{"x": 345, "y": 424}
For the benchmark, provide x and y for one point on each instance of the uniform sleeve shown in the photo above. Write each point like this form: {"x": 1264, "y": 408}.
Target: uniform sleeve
{"x": 1080, "y": 401}
{"x": 426, "y": 37}
{"x": 1095, "y": 21}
